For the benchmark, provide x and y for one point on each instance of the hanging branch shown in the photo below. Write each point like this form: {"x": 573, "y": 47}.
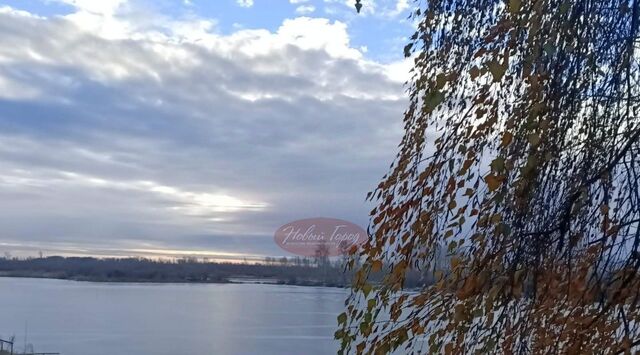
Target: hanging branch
{"x": 528, "y": 114}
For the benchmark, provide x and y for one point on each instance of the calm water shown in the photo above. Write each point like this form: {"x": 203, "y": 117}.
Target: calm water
{"x": 80, "y": 318}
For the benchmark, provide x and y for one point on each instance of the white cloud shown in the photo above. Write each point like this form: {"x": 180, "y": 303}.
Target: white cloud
{"x": 100, "y": 17}
{"x": 11, "y": 11}
{"x": 102, "y": 7}
{"x": 190, "y": 203}
{"x": 401, "y": 8}
{"x": 298, "y": 1}
{"x": 320, "y": 34}
{"x": 305, "y": 9}
{"x": 245, "y": 3}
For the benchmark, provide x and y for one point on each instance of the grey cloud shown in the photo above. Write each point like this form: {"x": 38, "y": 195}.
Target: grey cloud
{"x": 298, "y": 131}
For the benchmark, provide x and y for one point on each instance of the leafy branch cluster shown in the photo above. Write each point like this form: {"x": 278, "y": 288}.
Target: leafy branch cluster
{"x": 520, "y": 155}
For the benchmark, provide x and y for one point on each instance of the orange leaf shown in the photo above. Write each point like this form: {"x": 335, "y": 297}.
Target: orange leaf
{"x": 493, "y": 181}
{"x": 376, "y": 266}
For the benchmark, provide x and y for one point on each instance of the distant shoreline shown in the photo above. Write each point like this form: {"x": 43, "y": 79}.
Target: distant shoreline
{"x": 298, "y": 272}
{"x": 176, "y": 282}
{"x": 293, "y": 272}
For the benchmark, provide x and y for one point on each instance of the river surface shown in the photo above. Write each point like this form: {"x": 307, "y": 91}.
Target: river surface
{"x": 84, "y": 318}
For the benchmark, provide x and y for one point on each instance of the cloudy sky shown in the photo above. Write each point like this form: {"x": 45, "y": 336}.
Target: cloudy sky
{"x": 192, "y": 126}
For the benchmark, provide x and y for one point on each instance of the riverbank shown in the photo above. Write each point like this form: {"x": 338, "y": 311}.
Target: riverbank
{"x": 136, "y": 270}
{"x": 295, "y": 272}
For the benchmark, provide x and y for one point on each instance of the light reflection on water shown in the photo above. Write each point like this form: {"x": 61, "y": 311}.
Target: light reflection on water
{"x": 80, "y": 318}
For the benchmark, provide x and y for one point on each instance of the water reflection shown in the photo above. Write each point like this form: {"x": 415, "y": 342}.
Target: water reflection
{"x": 78, "y": 318}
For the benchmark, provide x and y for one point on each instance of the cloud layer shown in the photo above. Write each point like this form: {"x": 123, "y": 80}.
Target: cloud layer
{"x": 121, "y": 138}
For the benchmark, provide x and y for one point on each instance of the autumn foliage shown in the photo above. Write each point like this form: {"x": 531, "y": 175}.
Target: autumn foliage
{"x": 520, "y": 158}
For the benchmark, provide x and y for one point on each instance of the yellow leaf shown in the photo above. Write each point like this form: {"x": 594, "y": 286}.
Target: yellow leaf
{"x": 455, "y": 261}
{"x": 506, "y": 139}
{"x": 366, "y": 289}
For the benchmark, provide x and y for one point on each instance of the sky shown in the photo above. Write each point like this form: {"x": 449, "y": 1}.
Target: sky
{"x": 192, "y": 128}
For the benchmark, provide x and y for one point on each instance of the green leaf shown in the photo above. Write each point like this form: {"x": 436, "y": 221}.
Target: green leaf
{"x": 491, "y": 344}
{"x": 549, "y": 48}
{"x": 534, "y": 139}
{"x": 441, "y": 80}
{"x": 366, "y": 289}
{"x": 367, "y": 317}
{"x": 514, "y": 6}
{"x": 433, "y": 99}
{"x": 498, "y": 164}
{"x": 503, "y": 229}
{"x": 363, "y": 327}
{"x": 497, "y": 70}
{"x": 342, "y": 318}
{"x": 370, "y": 304}
{"x": 403, "y": 336}
{"x": 530, "y": 166}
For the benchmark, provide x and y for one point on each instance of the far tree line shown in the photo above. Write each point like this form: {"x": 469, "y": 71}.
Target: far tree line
{"x": 304, "y": 271}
